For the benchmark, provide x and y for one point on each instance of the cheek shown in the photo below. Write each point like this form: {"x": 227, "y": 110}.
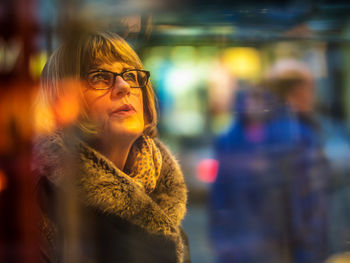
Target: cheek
{"x": 97, "y": 111}
{"x": 138, "y": 104}
{"x": 96, "y": 106}
{"x": 143, "y": 113}
{"x": 307, "y": 96}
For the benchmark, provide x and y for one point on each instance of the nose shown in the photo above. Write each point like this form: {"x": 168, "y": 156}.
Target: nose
{"x": 120, "y": 88}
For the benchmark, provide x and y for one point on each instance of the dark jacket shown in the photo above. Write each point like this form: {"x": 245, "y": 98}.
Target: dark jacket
{"x": 93, "y": 212}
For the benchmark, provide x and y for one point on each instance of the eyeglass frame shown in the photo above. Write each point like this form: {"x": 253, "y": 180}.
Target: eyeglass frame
{"x": 115, "y": 75}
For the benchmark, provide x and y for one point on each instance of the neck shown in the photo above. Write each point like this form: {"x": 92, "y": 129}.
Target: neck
{"x": 115, "y": 150}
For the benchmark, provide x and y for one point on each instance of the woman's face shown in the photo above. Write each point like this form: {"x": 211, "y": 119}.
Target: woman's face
{"x": 117, "y": 111}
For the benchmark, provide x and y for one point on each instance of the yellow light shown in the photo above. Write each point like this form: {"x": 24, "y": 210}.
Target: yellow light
{"x": 37, "y": 63}
{"x": 243, "y": 62}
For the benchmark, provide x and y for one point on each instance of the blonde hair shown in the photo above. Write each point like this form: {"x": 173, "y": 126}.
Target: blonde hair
{"x": 73, "y": 59}
{"x": 285, "y": 75}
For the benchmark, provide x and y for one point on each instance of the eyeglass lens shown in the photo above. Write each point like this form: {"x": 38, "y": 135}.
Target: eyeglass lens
{"x": 105, "y": 79}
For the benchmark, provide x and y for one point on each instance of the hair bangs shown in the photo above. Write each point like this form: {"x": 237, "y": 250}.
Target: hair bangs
{"x": 108, "y": 48}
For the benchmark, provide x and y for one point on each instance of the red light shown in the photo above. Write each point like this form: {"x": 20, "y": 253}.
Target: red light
{"x": 207, "y": 170}
{"x": 3, "y": 181}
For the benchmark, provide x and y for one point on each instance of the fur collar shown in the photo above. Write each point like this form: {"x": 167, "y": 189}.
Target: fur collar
{"x": 101, "y": 185}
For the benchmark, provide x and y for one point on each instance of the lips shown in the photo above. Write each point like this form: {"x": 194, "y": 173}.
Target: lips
{"x": 125, "y": 109}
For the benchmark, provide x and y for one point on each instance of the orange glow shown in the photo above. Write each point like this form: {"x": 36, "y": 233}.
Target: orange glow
{"x": 67, "y": 106}
{"x": 61, "y": 112}
{"x": 15, "y": 116}
{"x": 44, "y": 120}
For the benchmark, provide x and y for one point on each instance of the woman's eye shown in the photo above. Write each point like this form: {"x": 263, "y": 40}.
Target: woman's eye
{"x": 130, "y": 76}
{"x": 99, "y": 77}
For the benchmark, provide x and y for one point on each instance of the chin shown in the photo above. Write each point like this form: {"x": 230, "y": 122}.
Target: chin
{"x": 132, "y": 132}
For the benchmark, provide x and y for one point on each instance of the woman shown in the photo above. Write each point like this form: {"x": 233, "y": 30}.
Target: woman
{"x": 108, "y": 190}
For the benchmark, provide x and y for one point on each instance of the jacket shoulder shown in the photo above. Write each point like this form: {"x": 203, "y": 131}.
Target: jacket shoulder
{"x": 170, "y": 165}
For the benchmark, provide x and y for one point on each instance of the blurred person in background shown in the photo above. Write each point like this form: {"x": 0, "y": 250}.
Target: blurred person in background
{"x": 270, "y": 199}
{"x": 293, "y": 82}
{"x": 108, "y": 189}
{"x": 308, "y": 169}
{"x": 247, "y": 201}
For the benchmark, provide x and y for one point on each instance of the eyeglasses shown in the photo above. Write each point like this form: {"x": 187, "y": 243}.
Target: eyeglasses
{"x": 103, "y": 79}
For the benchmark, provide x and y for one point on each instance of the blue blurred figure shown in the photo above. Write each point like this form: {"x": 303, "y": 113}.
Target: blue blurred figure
{"x": 269, "y": 202}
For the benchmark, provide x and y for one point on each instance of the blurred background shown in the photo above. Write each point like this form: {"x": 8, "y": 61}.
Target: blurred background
{"x": 273, "y": 164}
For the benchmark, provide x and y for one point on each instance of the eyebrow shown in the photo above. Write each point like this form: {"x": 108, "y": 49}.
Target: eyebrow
{"x": 97, "y": 67}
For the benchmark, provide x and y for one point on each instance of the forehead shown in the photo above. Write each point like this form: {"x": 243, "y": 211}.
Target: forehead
{"x": 117, "y": 66}
{"x": 109, "y": 59}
